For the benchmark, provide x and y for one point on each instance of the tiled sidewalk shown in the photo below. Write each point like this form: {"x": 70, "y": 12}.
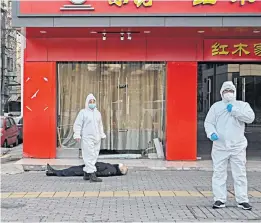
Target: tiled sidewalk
{"x": 140, "y": 196}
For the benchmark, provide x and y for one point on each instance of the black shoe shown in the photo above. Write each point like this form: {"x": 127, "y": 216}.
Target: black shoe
{"x": 245, "y": 206}
{"x": 218, "y": 204}
{"x": 50, "y": 171}
{"x": 86, "y": 176}
{"x": 94, "y": 178}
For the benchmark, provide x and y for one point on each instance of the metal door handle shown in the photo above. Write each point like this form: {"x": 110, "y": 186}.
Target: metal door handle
{"x": 209, "y": 86}
{"x": 209, "y": 93}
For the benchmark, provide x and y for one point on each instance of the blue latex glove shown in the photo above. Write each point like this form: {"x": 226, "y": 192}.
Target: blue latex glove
{"x": 214, "y": 137}
{"x": 229, "y": 107}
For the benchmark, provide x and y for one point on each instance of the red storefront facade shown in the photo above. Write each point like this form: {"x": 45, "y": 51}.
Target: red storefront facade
{"x": 179, "y": 33}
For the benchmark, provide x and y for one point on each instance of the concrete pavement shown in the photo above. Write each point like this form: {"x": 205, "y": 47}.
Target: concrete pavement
{"x": 11, "y": 154}
{"x": 143, "y": 195}
{"x": 152, "y": 191}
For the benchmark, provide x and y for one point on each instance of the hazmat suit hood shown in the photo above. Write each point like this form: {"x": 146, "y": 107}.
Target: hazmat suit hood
{"x": 228, "y": 85}
{"x": 89, "y": 97}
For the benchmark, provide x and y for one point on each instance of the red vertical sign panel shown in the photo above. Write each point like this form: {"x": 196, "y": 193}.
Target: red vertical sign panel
{"x": 181, "y": 111}
{"x": 40, "y": 109}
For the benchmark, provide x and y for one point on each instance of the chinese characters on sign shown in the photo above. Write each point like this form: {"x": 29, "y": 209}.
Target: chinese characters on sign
{"x": 213, "y": 2}
{"x": 148, "y": 3}
{"x": 257, "y": 48}
{"x": 218, "y": 49}
{"x": 239, "y": 49}
{"x": 138, "y": 3}
{"x": 242, "y": 2}
{"x": 118, "y": 2}
{"x": 204, "y": 2}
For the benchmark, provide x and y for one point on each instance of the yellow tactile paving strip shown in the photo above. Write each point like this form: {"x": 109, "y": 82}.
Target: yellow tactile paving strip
{"x": 75, "y": 194}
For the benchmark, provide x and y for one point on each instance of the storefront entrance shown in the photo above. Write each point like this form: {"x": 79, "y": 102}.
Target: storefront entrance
{"x": 130, "y": 97}
{"x": 247, "y": 79}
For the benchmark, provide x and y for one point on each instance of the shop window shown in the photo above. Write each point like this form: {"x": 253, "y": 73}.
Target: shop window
{"x": 130, "y": 97}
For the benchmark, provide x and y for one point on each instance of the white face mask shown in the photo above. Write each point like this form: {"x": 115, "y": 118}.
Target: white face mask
{"x": 229, "y": 96}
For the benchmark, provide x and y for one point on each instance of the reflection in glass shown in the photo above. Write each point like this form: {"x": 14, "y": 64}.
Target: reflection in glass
{"x": 130, "y": 97}
{"x": 247, "y": 79}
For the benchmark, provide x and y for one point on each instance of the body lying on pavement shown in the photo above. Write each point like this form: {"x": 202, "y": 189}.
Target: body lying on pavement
{"x": 103, "y": 170}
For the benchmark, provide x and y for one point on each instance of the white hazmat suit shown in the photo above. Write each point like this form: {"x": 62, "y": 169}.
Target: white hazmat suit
{"x": 231, "y": 144}
{"x": 89, "y": 128}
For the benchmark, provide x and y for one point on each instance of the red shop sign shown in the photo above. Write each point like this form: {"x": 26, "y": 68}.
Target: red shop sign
{"x": 232, "y": 49}
{"x": 145, "y": 7}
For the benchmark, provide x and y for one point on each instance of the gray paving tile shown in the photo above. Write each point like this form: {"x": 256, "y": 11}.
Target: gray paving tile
{"x": 123, "y": 209}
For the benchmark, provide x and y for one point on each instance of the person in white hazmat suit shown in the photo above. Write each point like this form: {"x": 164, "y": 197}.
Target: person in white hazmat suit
{"x": 225, "y": 126}
{"x": 88, "y": 129}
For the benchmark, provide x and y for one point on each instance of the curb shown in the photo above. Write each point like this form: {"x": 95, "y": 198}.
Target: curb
{"x": 43, "y": 168}
{"x": 207, "y": 169}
